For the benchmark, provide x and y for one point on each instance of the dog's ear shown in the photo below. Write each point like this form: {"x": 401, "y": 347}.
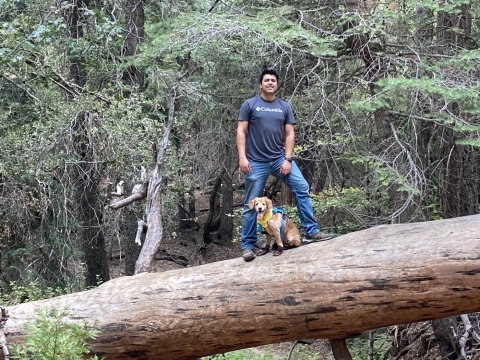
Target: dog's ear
{"x": 269, "y": 204}
{"x": 251, "y": 204}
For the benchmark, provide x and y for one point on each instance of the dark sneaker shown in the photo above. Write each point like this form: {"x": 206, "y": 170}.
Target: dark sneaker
{"x": 248, "y": 255}
{"x": 317, "y": 238}
{"x": 260, "y": 244}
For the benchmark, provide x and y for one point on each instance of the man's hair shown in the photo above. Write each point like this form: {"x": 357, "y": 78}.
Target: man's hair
{"x": 267, "y": 72}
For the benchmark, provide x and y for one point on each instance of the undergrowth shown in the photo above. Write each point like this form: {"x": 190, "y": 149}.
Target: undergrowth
{"x": 50, "y": 337}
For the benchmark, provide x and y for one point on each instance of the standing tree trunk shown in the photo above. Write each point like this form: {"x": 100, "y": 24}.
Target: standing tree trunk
{"x": 153, "y": 210}
{"x": 458, "y": 167}
{"x": 186, "y": 210}
{"x": 226, "y": 219}
{"x": 74, "y": 21}
{"x": 134, "y": 35}
{"x": 422, "y": 130}
{"x": 89, "y": 212}
{"x": 458, "y": 175}
{"x": 340, "y": 350}
{"x": 132, "y": 248}
{"x": 446, "y": 344}
{"x": 377, "y": 67}
{"x": 207, "y": 236}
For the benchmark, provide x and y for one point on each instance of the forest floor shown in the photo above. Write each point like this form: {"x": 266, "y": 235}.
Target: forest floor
{"x": 174, "y": 254}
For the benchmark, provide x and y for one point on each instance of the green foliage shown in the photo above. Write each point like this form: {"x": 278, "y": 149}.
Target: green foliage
{"x": 50, "y": 337}
{"x": 237, "y": 225}
{"x": 245, "y": 354}
{"x": 350, "y": 207}
{"x": 300, "y": 352}
{"x": 292, "y": 214}
{"x": 213, "y": 38}
{"x": 31, "y": 291}
{"x": 359, "y": 346}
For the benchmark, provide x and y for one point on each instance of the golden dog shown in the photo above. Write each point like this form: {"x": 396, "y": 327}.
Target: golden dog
{"x": 272, "y": 224}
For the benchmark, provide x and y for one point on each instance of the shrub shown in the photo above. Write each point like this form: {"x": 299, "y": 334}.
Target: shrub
{"x": 51, "y": 338}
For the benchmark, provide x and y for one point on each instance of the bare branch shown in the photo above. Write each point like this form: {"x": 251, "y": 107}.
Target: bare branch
{"x": 213, "y": 5}
{"x": 140, "y": 194}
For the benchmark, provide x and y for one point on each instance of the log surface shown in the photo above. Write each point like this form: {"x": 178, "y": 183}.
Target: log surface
{"x": 390, "y": 274}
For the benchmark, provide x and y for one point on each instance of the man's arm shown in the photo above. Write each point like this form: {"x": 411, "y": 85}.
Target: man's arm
{"x": 289, "y": 140}
{"x": 242, "y": 129}
{"x": 286, "y": 167}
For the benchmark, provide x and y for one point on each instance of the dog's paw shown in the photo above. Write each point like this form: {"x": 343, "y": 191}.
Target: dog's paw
{"x": 278, "y": 252}
{"x": 264, "y": 250}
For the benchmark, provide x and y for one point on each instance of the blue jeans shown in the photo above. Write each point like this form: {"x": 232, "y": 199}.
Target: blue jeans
{"x": 255, "y": 181}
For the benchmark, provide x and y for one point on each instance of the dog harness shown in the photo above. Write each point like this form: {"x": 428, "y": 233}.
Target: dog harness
{"x": 262, "y": 222}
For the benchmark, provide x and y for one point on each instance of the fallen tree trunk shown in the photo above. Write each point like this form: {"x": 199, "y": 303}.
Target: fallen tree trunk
{"x": 386, "y": 275}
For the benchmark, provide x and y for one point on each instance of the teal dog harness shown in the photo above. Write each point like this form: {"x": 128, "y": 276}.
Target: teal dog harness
{"x": 282, "y": 226}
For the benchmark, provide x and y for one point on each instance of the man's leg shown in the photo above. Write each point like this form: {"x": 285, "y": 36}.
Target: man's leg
{"x": 254, "y": 183}
{"x": 300, "y": 190}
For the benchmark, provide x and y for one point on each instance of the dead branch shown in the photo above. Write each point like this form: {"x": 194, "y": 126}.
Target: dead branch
{"x": 119, "y": 191}
{"x": 139, "y": 194}
{"x": 141, "y": 228}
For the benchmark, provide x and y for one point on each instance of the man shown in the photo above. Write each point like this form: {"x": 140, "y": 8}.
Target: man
{"x": 265, "y": 142}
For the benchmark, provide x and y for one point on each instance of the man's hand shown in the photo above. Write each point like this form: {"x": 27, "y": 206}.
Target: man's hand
{"x": 244, "y": 165}
{"x": 285, "y": 168}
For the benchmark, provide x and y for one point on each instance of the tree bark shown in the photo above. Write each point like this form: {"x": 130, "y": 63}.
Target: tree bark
{"x": 139, "y": 194}
{"x": 390, "y": 274}
{"x": 225, "y": 230}
{"x": 132, "y": 248}
{"x": 446, "y": 344}
{"x": 153, "y": 210}
{"x": 207, "y": 236}
{"x": 458, "y": 180}
{"x": 378, "y": 67}
{"x": 286, "y": 197}
{"x": 88, "y": 209}
{"x": 340, "y": 350}
{"x": 458, "y": 177}
{"x": 134, "y": 36}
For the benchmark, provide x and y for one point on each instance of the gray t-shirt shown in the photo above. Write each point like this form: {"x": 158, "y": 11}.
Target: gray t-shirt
{"x": 266, "y": 127}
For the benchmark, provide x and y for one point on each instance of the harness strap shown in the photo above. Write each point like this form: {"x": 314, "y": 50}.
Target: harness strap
{"x": 275, "y": 210}
{"x": 284, "y": 218}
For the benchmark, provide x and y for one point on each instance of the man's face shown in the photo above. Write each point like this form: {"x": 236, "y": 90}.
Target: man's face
{"x": 269, "y": 84}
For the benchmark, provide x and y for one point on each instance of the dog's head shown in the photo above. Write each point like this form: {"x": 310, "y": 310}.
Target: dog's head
{"x": 261, "y": 205}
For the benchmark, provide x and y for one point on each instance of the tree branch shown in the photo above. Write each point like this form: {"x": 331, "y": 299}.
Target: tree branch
{"x": 139, "y": 194}
{"x": 213, "y": 5}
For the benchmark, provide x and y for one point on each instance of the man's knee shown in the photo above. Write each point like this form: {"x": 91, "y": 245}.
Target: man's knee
{"x": 301, "y": 188}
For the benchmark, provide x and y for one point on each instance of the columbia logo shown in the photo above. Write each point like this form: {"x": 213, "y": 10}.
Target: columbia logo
{"x": 258, "y": 108}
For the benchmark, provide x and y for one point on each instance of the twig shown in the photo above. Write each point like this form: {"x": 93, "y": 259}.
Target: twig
{"x": 21, "y": 88}
{"x": 463, "y": 339}
{"x": 406, "y": 349}
{"x": 213, "y": 5}
{"x": 291, "y": 350}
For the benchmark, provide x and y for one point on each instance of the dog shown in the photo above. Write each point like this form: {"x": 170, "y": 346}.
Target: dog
{"x": 275, "y": 224}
